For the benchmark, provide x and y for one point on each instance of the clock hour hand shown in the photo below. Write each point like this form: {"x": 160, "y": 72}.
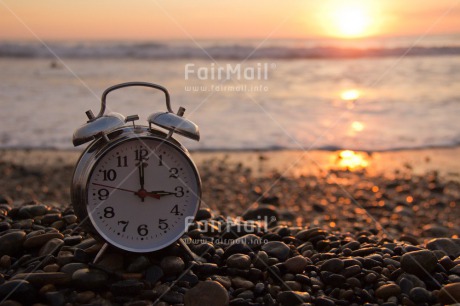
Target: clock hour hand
{"x": 160, "y": 193}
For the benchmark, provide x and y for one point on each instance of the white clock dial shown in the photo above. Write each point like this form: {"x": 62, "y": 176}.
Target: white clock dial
{"x": 142, "y": 194}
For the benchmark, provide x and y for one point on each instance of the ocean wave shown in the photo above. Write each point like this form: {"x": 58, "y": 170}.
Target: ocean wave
{"x": 231, "y": 51}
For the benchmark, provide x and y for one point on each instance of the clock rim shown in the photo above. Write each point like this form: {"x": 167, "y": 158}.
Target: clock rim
{"x": 95, "y": 152}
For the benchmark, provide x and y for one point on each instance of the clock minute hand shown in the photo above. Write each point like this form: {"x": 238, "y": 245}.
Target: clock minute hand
{"x": 138, "y": 193}
{"x": 118, "y": 188}
{"x": 141, "y": 192}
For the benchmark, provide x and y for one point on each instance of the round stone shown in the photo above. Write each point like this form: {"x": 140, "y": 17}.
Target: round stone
{"x": 264, "y": 212}
{"x": 450, "y": 294}
{"x": 239, "y": 282}
{"x": 70, "y": 268}
{"x": 385, "y": 291}
{"x": 42, "y": 278}
{"x": 11, "y": 243}
{"x": 40, "y": 240}
{"x": 419, "y": 295}
{"x": 85, "y": 297}
{"x": 207, "y": 293}
{"x": 153, "y": 274}
{"x": 296, "y": 264}
{"x": 172, "y": 265}
{"x": 334, "y": 265}
{"x": 30, "y": 211}
{"x": 19, "y": 290}
{"x": 293, "y": 297}
{"x": 277, "y": 249}
{"x": 419, "y": 263}
{"x": 236, "y": 248}
{"x": 450, "y": 246}
{"x": 138, "y": 264}
{"x": 261, "y": 260}
{"x": 239, "y": 261}
{"x": 127, "y": 287}
{"x": 51, "y": 246}
{"x": 89, "y": 279}
{"x": 203, "y": 214}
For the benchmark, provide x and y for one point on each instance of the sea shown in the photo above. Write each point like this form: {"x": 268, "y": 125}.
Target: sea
{"x": 374, "y": 94}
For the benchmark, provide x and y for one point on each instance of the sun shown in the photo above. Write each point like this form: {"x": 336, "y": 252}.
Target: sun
{"x": 349, "y": 19}
{"x": 352, "y": 21}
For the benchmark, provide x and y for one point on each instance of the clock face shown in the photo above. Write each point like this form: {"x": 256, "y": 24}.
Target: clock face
{"x": 142, "y": 194}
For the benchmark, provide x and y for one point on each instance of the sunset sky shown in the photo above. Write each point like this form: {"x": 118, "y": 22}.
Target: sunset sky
{"x": 210, "y": 19}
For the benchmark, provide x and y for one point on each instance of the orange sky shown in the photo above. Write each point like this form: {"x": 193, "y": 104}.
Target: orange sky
{"x": 201, "y": 19}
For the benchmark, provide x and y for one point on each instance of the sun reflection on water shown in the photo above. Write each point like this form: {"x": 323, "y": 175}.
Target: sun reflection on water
{"x": 357, "y": 126}
{"x": 351, "y": 160}
{"x": 350, "y": 95}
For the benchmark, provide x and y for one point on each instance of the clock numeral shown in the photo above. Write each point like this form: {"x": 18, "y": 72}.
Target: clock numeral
{"x": 108, "y": 212}
{"x": 122, "y": 161}
{"x": 175, "y": 210}
{"x": 103, "y": 194}
{"x": 125, "y": 225}
{"x": 109, "y": 175}
{"x": 162, "y": 224}
{"x": 179, "y": 191}
{"x": 160, "y": 160}
{"x": 142, "y": 230}
{"x": 174, "y": 172}
{"x": 141, "y": 154}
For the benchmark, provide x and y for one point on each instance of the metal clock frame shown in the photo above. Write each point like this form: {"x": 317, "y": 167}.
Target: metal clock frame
{"x": 96, "y": 150}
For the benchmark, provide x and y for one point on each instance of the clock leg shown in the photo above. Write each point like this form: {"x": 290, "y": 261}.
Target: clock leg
{"x": 101, "y": 252}
{"x": 187, "y": 249}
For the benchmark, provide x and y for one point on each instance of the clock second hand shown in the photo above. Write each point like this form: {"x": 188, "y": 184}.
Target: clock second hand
{"x": 140, "y": 192}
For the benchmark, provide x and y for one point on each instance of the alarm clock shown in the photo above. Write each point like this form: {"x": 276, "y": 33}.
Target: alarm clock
{"x": 135, "y": 186}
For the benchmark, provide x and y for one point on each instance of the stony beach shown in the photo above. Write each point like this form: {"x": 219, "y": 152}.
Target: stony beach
{"x": 335, "y": 237}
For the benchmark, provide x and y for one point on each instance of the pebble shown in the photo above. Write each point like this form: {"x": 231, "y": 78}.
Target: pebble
{"x": 239, "y": 261}
{"x": 52, "y": 246}
{"x": 114, "y": 262}
{"x": 240, "y": 282}
{"x": 70, "y": 268}
{"x": 433, "y": 230}
{"x": 419, "y": 295}
{"x": 320, "y": 267}
{"x": 85, "y": 297}
{"x": 296, "y": 264}
{"x": 385, "y": 291}
{"x": 172, "y": 265}
{"x": 11, "y": 243}
{"x": 207, "y": 293}
{"x": 30, "y": 211}
{"x": 55, "y": 298}
{"x": 293, "y": 297}
{"x": 324, "y": 301}
{"x": 89, "y": 279}
{"x": 42, "y": 278}
{"x": 450, "y": 246}
{"x": 276, "y": 249}
{"x": 419, "y": 262}
{"x": 450, "y": 294}
{"x": 138, "y": 264}
{"x": 334, "y": 265}
{"x": 127, "y": 287}
{"x": 261, "y": 260}
{"x": 153, "y": 274}
{"x": 19, "y": 290}
{"x": 261, "y": 212}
